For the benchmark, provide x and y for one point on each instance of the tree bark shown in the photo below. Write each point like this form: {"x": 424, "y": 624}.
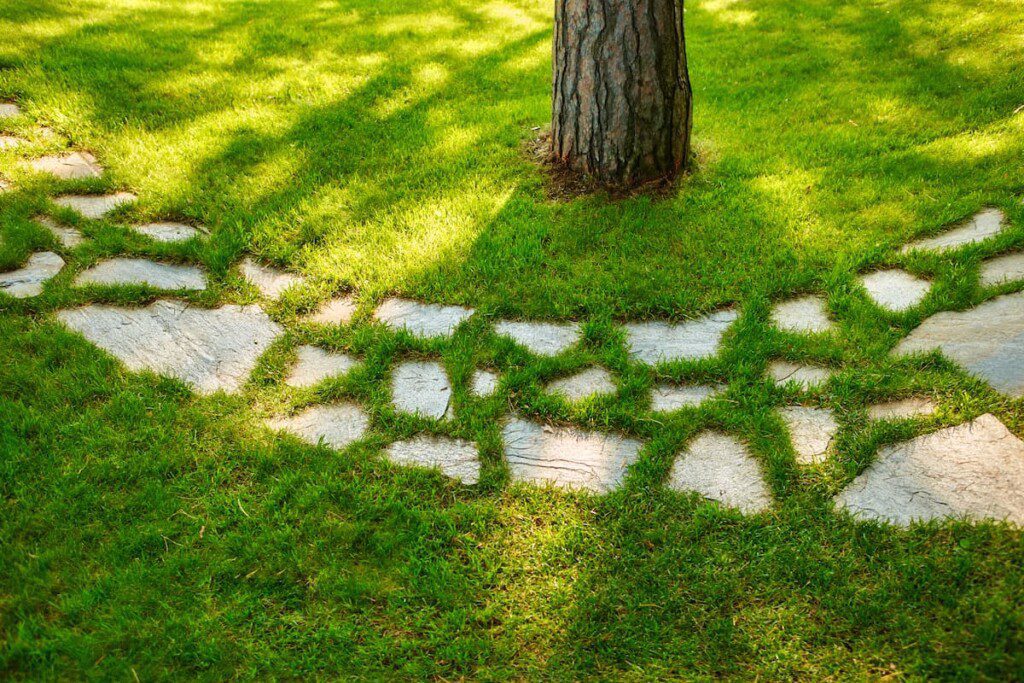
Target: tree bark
{"x": 622, "y": 104}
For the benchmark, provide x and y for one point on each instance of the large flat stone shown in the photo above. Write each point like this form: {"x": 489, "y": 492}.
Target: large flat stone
{"x": 542, "y": 339}
{"x": 567, "y": 457}
{"x": 806, "y": 315}
{"x": 270, "y": 282}
{"x": 167, "y": 232}
{"x": 95, "y": 206}
{"x": 422, "y": 320}
{"x": 719, "y": 467}
{"x": 668, "y": 397}
{"x": 337, "y": 311}
{"x": 812, "y": 431}
{"x": 456, "y": 458}
{"x": 336, "y": 426}
{"x": 10, "y": 142}
{"x": 314, "y": 365}
{"x": 988, "y": 341}
{"x": 1008, "y": 268}
{"x": 422, "y": 388}
{"x": 973, "y": 471}
{"x": 73, "y": 166}
{"x": 137, "y": 271}
{"x": 584, "y": 384}
{"x": 210, "y": 350}
{"x": 804, "y": 376}
{"x": 9, "y": 110}
{"x": 657, "y": 342}
{"x": 902, "y": 409}
{"x": 68, "y": 237}
{"x": 895, "y": 290}
{"x": 28, "y": 281}
{"x": 484, "y": 383}
{"x": 983, "y": 225}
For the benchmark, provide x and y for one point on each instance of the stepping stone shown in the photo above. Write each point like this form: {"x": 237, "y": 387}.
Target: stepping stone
{"x": 336, "y": 426}
{"x": 983, "y": 225}
{"x": 315, "y": 365}
{"x": 1002, "y": 269}
{"x": 585, "y": 384}
{"x": 812, "y": 431}
{"x": 903, "y": 409}
{"x": 10, "y": 142}
{"x": 422, "y": 388}
{"x": 973, "y": 471}
{"x": 806, "y": 376}
{"x": 668, "y": 397}
{"x": 804, "y": 315}
{"x": 567, "y": 457}
{"x": 208, "y": 349}
{"x": 137, "y": 271}
{"x": 9, "y": 110}
{"x": 484, "y": 383}
{"x": 658, "y": 342}
{"x": 95, "y": 206}
{"x": 28, "y": 281}
{"x": 69, "y": 238}
{"x": 542, "y": 339}
{"x": 270, "y": 282}
{"x": 337, "y": 311}
{"x": 988, "y": 341}
{"x": 421, "y": 320}
{"x": 895, "y": 290}
{"x": 455, "y": 458}
{"x": 167, "y": 232}
{"x": 74, "y": 166}
{"x": 5, "y": 186}
{"x": 719, "y": 467}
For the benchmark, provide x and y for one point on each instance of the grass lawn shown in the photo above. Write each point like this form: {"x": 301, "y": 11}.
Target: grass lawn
{"x": 378, "y": 148}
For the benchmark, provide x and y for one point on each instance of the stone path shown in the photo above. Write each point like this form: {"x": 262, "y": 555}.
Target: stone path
{"x": 456, "y": 458}
{"x": 985, "y": 224}
{"x": 669, "y": 397}
{"x": 73, "y": 166}
{"x": 95, "y": 207}
{"x": 168, "y": 232}
{"x": 542, "y": 339}
{"x": 337, "y": 311}
{"x": 895, "y": 290}
{"x": 337, "y": 426}
{"x": 658, "y": 342}
{"x": 812, "y": 431}
{"x": 137, "y": 271}
{"x": 68, "y": 237}
{"x": 804, "y": 376}
{"x": 28, "y": 281}
{"x": 584, "y": 384}
{"x": 484, "y": 383}
{"x": 1001, "y": 269}
{"x": 806, "y": 315}
{"x": 9, "y": 110}
{"x": 421, "y": 320}
{"x": 270, "y": 282}
{"x": 314, "y": 365}
{"x": 902, "y": 409}
{"x": 10, "y": 142}
{"x": 719, "y": 467}
{"x": 422, "y": 388}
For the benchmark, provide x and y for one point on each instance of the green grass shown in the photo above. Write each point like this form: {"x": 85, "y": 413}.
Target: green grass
{"x": 377, "y": 148}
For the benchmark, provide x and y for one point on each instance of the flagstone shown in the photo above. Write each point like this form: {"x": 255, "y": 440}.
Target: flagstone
{"x": 422, "y": 320}
{"x": 28, "y": 281}
{"x": 983, "y": 225}
{"x": 805, "y": 376}
{"x": 270, "y": 282}
{"x": 95, "y": 206}
{"x": 902, "y": 409}
{"x": 455, "y": 458}
{"x": 73, "y": 166}
{"x": 337, "y": 311}
{"x": 812, "y": 431}
{"x": 484, "y": 383}
{"x": 314, "y": 365}
{"x": 10, "y": 141}
{"x": 719, "y": 467}
{"x": 584, "y": 384}
{"x": 895, "y": 290}
{"x": 168, "y": 232}
{"x": 67, "y": 236}
{"x": 668, "y": 397}
{"x": 1001, "y": 269}
{"x": 657, "y": 342}
{"x": 9, "y": 110}
{"x": 422, "y": 387}
{"x": 336, "y": 426}
{"x": 807, "y": 314}
{"x": 138, "y": 271}
{"x": 542, "y": 339}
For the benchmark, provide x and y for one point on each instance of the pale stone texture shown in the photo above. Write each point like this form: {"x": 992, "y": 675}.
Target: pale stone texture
{"x": 542, "y": 339}
{"x": 584, "y": 384}
{"x": 337, "y": 311}
{"x": 167, "y": 232}
{"x": 137, "y": 271}
{"x": 973, "y": 471}
{"x": 270, "y": 282}
{"x": 210, "y": 350}
{"x": 806, "y": 376}
{"x": 1002, "y": 269}
{"x": 9, "y": 110}
{"x": 669, "y": 397}
{"x": 67, "y": 236}
{"x": 719, "y": 467}
{"x": 902, "y": 409}
{"x": 988, "y": 341}
{"x": 455, "y": 458}
{"x": 656, "y": 342}
{"x": 314, "y": 365}
{"x": 804, "y": 315}
{"x": 812, "y": 431}
{"x": 95, "y": 206}
{"x": 28, "y": 281}
{"x": 73, "y": 166}
{"x": 4, "y": 186}
{"x": 336, "y": 426}
{"x": 484, "y": 383}
{"x": 10, "y": 142}
{"x": 895, "y": 290}
{"x": 422, "y": 387}
{"x": 983, "y": 225}
{"x": 422, "y": 320}
{"x": 567, "y": 457}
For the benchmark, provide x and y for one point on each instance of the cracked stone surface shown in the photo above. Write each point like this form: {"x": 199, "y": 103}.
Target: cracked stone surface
{"x": 9, "y": 110}
{"x": 589, "y": 382}
{"x": 657, "y": 342}
{"x": 73, "y": 166}
{"x": 567, "y": 457}
{"x": 10, "y": 141}
{"x": 805, "y": 376}
{"x": 67, "y": 236}
{"x": 95, "y": 206}
{"x": 988, "y": 341}
{"x": 719, "y": 467}
{"x": 974, "y": 471}
{"x": 28, "y": 281}
{"x": 902, "y": 409}
{"x": 542, "y": 339}
{"x": 456, "y": 458}
{"x": 422, "y": 320}
{"x": 314, "y": 365}
{"x": 337, "y": 311}
{"x": 983, "y": 225}
{"x": 668, "y": 397}
{"x": 208, "y": 349}
{"x": 137, "y": 271}
{"x": 812, "y": 431}
{"x": 895, "y": 290}
{"x": 484, "y": 383}
{"x": 270, "y": 282}
{"x": 168, "y": 232}
{"x": 422, "y": 387}
{"x": 336, "y": 426}
{"x": 807, "y": 314}
{"x": 1002, "y": 269}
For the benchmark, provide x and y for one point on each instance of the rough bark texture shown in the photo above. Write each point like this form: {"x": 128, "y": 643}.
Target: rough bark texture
{"x": 622, "y": 98}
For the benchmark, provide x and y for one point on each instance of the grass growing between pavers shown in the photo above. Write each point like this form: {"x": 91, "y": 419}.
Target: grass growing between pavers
{"x": 377, "y": 148}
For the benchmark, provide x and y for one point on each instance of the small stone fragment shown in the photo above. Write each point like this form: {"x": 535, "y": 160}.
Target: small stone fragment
{"x": 1001, "y": 269}
{"x": 95, "y": 206}
{"x": 74, "y": 166}
{"x": 270, "y": 282}
{"x": 983, "y": 225}
{"x": 421, "y": 320}
{"x": 315, "y": 365}
{"x": 9, "y": 110}
{"x": 137, "y": 271}
{"x": 804, "y": 315}
{"x": 337, "y": 426}
{"x": 484, "y": 383}
{"x": 456, "y": 458}
{"x": 668, "y": 397}
{"x": 812, "y": 431}
{"x": 337, "y": 311}
{"x": 903, "y": 409}
{"x": 719, "y": 467}
{"x": 10, "y": 142}
{"x": 589, "y": 382}
{"x": 806, "y": 376}
{"x": 895, "y": 290}
{"x": 658, "y": 342}
{"x": 422, "y": 387}
{"x": 167, "y": 232}
{"x": 68, "y": 237}
{"x": 542, "y": 339}
{"x": 28, "y": 281}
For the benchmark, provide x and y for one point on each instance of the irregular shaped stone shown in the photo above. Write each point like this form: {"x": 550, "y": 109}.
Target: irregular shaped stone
{"x": 484, "y": 383}
{"x": 337, "y": 311}
{"x": 973, "y": 471}
{"x": 456, "y": 458}
{"x": 28, "y": 281}
{"x": 812, "y": 431}
{"x": 806, "y": 376}
{"x": 74, "y": 166}
{"x": 719, "y": 467}
{"x": 167, "y": 232}
{"x": 542, "y": 339}
{"x": 585, "y": 384}
{"x": 314, "y": 365}
{"x": 137, "y": 271}
{"x": 270, "y": 282}
{"x": 422, "y": 388}
{"x": 804, "y": 315}
{"x": 10, "y": 142}
{"x": 9, "y": 110}
{"x": 895, "y": 290}
{"x": 95, "y": 206}
{"x": 210, "y": 350}
{"x": 657, "y": 342}
{"x": 337, "y": 426}
{"x": 567, "y": 457}
{"x": 668, "y": 397}
{"x": 1002, "y": 269}
{"x": 422, "y": 320}
{"x": 5, "y": 186}
{"x": 67, "y": 236}
{"x": 983, "y": 225}
{"x": 988, "y": 341}
{"x": 902, "y": 409}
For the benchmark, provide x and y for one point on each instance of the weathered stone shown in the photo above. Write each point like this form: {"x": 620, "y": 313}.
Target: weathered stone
{"x": 804, "y": 315}
{"x": 5, "y": 186}
{"x": 484, "y": 383}
{"x": 1008, "y": 268}
{"x": 422, "y": 320}
{"x": 137, "y": 271}
{"x": 73, "y": 166}
{"x": 337, "y": 426}
{"x": 542, "y": 339}
{"x": 456, "y": 458}
{"x": 28, "y": 281}
{"x": 973, "y": 471}
{"x": 567, "y": 457}
{"x": 806, "y": 376}
{"x": 902, "y": 409}
{"x": 315, "y": 365}
{"x": 895, "y": 290}
{"x": 983, "y": 225}
{"x": 68, "y": 237}
{"x": 337, "y": 311}
{"x": 9, "y": 110}
{"x": 10, "y": 142}
{"x": 719, "y": 467}
{"x": 270, "y": 282}
{"x": 210, "y": 350}
{"x": 657, "y": 342}
{"x": 95, "y": 206}
{"x": 812, "y": 431}
{"x": 988, "y": 341}
{"x": 668, "y": 397}
{"x": 585, "y": 384}
{"x": 422, "y": 387}
{"x": 167, "y": 231}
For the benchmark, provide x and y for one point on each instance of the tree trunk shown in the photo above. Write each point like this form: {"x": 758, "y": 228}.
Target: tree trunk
{"x": 622, "y": 101}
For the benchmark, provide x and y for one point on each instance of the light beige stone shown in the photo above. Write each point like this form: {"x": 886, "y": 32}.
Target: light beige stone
{"x": 895, "y": 290}
{"x": 668, "y": 397}
{"x": 455, "y": 458}
{"x": 484, "y": 383}
{"x": 584, "y": 384}
{"x": 68, "y": 237}
{"x": 9, "y": 110}
{"x": 542, "y": 339}
{"x": 28, "y": 281}
{"x": 10, "y": 142}
{"x": 421, "y": 320}
{"x": 314, "y": 365}
{"x": 337, "y": 311}
{"x": 167, "y": 231}
{"x": 1008, "y": 268}
{"x": 95, "y": 206}
{"x": 902, "y": 409}
{"x": 137, "y": 271}
{"x": 984, "y": 225}
{"x": 73, "y": 166}
{"x": 806, "y": 315}
{"x": 719, "y": 467}
{"x": 270, "y": 282}
{"x": 805, "y": 376}
{"x": 659, "y": 342}
{"x": 422, "y": 388}
{"x": 812, "y": 431}
{"x": 336, "y": 426}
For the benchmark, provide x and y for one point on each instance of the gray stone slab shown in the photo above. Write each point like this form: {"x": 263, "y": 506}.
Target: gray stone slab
{"x": 985, "y": 224}
{"x": 973, "y": 471}
{"x": 337, "y": 311}
{"x": 336, "y": 426}
{"x": 542, "y": 339}
{"x": 805, "y": 376}
{"x": 95, "y": 206}
{"x": 1002, "y": 269}
{"x": 9, "y": 110}
{"x": 988, "y": 341}
{"x": 137, "y": 271}
{"x": 270, "y": 282}
{"x": 167, "y": 231}
{"x": 455, "y": 458}
{"x": 10, "y": 142}
{"x": 314, "y": 365}
{"x": 422, "y": 388}
{"x": 422, "y": 320}
{"x": 484, "y": 383}
{"x": 719, "y": 467}
{"x": 668, "y": 397}
{"x": 67, "y": 236}
{"x": 902, "y": 409}
{"x": 73, "y": 166}
{"x": 657, "y": 342}
{"x": 584, "y": 384}
{"x": 567, "y": 457}
{"x": 208, "y": 349}
{"x": 806, "y": 315}
{"x": 28, "y": 281}
{"x": 895, "y": 290}
{"x": 812, "y": 431}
